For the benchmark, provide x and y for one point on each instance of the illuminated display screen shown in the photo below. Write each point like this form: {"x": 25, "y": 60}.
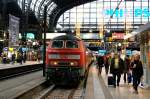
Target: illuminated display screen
{"x": 102, "y": 52}
{"x": 121, "y": 13}
{"x": 52, "y": 35}
{"x": 30, "y": 36}
{"x": 128, "y": 52}
{"x": 89, "y": 36}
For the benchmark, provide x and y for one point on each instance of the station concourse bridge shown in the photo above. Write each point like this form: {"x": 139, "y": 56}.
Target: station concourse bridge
{"x": 105, "y": 26}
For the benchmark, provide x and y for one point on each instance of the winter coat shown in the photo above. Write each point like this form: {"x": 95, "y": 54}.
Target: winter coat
{"x": 127, "y": 64}
{"x": 138, "y": 69}
{"x": 100, "y": 61}
{"x": 120, "y": 68}
{"x": 106, "y": 62}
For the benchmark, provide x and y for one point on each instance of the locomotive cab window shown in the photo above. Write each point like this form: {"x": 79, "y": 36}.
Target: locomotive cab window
{"x": 71, "y": 44}
{"x": 57, "y": 44}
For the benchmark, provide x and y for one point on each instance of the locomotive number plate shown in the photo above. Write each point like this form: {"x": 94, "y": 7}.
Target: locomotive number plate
{"x": 57, "y": 56}
{"x": 63, "y": 56}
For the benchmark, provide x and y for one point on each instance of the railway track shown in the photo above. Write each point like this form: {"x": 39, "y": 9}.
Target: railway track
{"x": 73, "y": 92}
{"x": 65, "y": 92}
{"x": 51, "y": 91}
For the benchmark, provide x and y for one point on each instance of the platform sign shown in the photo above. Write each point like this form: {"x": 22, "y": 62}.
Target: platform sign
{"x": 118, "y": 36}
{"x": 13, "y": 30}
{"x": 137, "y": 12}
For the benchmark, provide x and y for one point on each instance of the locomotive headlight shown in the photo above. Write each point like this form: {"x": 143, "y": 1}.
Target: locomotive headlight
{"x": 73, "y": 63}
{"x": 55, "y": 63}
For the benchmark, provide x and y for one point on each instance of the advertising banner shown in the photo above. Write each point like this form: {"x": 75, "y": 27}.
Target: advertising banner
{"x": 13, "y": 31}
{"x": 118, "y": 36}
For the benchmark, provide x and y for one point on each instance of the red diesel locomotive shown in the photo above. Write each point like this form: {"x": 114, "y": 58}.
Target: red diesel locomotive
{"x": 67, "y": 59}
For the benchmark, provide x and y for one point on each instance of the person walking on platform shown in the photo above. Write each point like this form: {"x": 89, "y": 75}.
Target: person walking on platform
{"x": 20, "y": 58}
{"x": 116, "y": 68}
{"x": 24, "y": 56}
{"x": 126, "y": 68}
{"x": 13, "y": 58}
{"x": 100, "y": 63}
{"x": 4, "y": 58}
{"x": 137, "y": 72}
{"x": 106, "y": 64}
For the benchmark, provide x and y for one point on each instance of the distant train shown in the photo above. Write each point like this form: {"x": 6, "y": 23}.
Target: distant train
{"x": 67, "y": 59}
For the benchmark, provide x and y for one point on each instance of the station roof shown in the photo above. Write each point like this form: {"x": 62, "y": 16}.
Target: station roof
{"x": 54, "y": 10}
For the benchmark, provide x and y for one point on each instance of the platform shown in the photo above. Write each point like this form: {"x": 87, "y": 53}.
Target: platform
{"x": 11, "y": 88}
{"x": 7, "y": 66}
{"x": 11, "y": 70}
{"x": 125, "y": 91}
{"x": 97, "y": 88}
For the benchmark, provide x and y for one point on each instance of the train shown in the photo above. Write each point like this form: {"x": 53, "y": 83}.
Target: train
{"x": 67, "y": 59}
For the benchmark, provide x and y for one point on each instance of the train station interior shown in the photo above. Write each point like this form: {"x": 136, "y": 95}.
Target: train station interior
{"x": 74, "y": 49}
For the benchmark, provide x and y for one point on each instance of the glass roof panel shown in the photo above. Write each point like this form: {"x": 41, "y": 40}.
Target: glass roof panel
{"x": 99, "y": 12}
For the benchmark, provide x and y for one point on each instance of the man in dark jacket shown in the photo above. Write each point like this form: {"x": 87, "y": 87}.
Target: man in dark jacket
{"x": 137, "y": 72}
{"x": 126, "y": 68}
{"x": 116, "y": 68}
{"x": 106, "y": 62}
{"x": 100, "y": 62}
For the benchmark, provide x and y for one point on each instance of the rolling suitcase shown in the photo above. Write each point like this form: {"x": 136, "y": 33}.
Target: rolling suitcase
{"x": 110, "y": 79}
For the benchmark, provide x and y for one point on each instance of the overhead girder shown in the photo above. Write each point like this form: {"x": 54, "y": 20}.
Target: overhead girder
{"x": 63, "y": 5}
{"x": 40, "y": 7}
{"x": 35, "y": 5}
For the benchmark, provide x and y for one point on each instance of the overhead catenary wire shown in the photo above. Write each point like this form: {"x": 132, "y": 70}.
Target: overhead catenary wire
{"x": 114, "y": 12}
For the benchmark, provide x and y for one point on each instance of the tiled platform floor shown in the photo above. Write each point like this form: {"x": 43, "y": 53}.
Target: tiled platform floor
{"x": 125, "y": 91}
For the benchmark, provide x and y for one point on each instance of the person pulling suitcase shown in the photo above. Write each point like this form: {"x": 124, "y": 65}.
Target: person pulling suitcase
{"x": 116, "y": 69}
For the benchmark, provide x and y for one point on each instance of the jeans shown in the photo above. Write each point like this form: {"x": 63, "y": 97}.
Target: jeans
{"x": 136, "y": 82}
{"x": 125, "y": 76}
{"x": 118, "y": 76}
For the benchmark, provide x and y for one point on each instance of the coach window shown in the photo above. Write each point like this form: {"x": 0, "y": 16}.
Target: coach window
{"x": 57, "y": 44}
{"x": 71, "y": 44}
